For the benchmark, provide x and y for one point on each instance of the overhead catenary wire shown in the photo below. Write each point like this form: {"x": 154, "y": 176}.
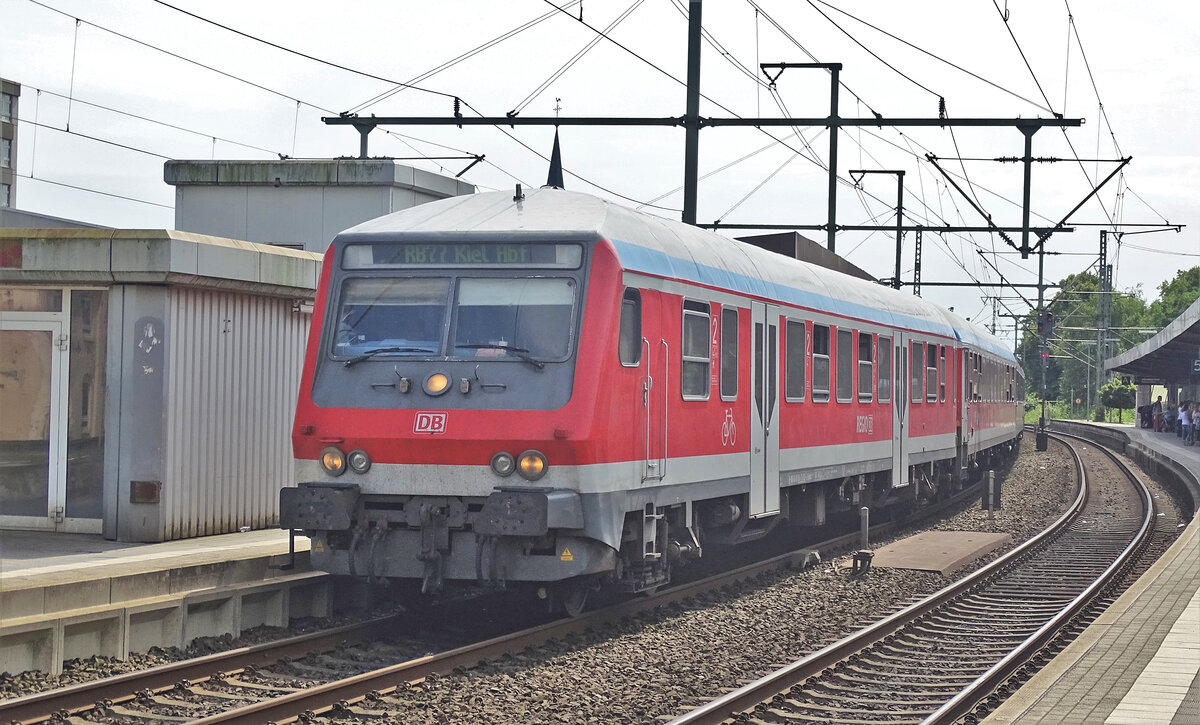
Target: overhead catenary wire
{"x": 460, "y": 58}
{"x": 94, "y": 191}
{"x": 1038, "y": 83}
{"x": 147, "y": 119}
{"x": 574, "y": 59}
{"x": 936, "y": 57}
{"x": 96, "y": 139}
{"x": 858, "y": 98}
{"x": 375, "y": 77}
{"x": 732, "y": 60}
{"x": 226, "y": 74}
{"x": 313, "y": 58}
{"x": 790, "y": 158}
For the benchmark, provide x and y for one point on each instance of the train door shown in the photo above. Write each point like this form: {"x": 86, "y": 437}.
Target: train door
{"x": 655, "y": 389}
{"x": 900, "y": 402}
{"x": 764, "y": 415}
{"x": 964, "y": 409}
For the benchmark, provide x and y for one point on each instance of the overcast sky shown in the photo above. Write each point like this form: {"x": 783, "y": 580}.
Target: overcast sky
{"x": 1130, "y": 70}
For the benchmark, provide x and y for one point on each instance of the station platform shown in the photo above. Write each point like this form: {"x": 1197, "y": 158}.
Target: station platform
{"x": 67, "y": 596}
{"x": 1139, "y": 662}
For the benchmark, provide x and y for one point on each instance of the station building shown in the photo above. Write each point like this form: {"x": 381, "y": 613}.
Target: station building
{"x": 148, "y": 378}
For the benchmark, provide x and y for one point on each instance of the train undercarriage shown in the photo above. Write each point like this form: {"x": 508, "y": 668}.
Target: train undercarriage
{"x": 550, "y": 540}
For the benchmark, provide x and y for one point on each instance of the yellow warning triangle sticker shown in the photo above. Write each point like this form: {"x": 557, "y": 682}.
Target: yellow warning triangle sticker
{"x": 566, "y": 555}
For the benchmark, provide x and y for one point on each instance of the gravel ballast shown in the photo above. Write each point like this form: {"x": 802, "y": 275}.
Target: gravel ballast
{"x": 675, "y": 658}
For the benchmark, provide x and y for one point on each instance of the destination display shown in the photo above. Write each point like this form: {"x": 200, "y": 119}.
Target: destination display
{"x": 501, "y": 254}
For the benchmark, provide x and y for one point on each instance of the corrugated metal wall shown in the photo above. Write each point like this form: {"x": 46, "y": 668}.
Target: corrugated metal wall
{"x": 233, "y": 370}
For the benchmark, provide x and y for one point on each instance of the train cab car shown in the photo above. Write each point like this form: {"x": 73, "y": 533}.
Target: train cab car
{"x": 556, "y": 390}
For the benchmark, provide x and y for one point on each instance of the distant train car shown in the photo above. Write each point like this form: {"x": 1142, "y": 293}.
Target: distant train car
{"x": 557, "y": 390}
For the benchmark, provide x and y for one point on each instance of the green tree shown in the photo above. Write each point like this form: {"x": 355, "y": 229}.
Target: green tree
{"x": 1071, "y": 349}
{"x": 1115, "y": 395}
{"x": 1174, "y": 296}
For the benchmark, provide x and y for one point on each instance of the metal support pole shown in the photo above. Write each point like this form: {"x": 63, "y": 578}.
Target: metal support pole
{"x": 1105, "y": 304}
{"x": 364, "y": 130}
{"x": 831, "y": 218}
{"x": 865, "y": 518}
{"x": 991, "y": 495}
{"x": 899, "y": 222}
{"x": 691, "y": 120}
{"x": 1028, "y": 161}
{"x": 917, "y": 263}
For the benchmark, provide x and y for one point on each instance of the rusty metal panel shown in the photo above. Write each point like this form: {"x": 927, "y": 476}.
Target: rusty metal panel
{"x": 232, "y": 377}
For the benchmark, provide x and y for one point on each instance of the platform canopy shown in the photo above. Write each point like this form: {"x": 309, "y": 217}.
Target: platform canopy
{"x": 1172, "y": 356}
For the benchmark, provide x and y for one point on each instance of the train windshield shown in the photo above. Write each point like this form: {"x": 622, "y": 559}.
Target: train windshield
{"x": 532, "y": 316}
{"x": 486, "y": 317}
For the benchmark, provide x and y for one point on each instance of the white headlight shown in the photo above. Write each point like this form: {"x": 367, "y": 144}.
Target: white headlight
{"x": 503, "y": 464}
{"x": 359, "y": 461}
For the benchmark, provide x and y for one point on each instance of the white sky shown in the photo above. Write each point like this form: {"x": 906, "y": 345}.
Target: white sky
{"x": 1144, "y": 58}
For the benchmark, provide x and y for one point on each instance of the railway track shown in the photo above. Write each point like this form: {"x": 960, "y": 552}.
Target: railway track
{"x": 936, "y": 660}
{"x": 279, "y": 681}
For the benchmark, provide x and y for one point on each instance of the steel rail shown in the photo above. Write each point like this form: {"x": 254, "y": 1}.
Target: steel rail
{"x": 42, "y": 706}
{"x": 76, "y": 699}
{"x": 964, "y": 702}
{"x": 353, "y": 690}
{"x": 746, "y": 697}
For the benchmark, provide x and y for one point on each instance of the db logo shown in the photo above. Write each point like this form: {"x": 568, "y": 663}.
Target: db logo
{"x": 427, "y": 422}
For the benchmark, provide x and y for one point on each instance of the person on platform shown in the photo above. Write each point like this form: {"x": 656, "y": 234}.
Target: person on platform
{"x": 1186, "y": 419}
{"x": 1169, "y": 417}
{"x": 1156, "y": 411}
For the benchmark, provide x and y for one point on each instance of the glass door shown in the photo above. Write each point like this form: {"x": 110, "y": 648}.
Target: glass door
{"x": 32, "y": 431}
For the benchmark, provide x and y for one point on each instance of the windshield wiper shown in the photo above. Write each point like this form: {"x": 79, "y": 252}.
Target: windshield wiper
{"x": 517, "y": 352}
{"x": 379, "y": 350}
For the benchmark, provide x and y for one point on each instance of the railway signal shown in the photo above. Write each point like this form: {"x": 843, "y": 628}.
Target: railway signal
{"x": 1045, "y": 323}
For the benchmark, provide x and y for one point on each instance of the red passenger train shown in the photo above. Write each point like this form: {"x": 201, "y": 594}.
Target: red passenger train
{"x": 557, "y": 390}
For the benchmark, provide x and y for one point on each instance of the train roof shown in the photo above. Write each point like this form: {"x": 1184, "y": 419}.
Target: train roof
{"x": 674, "y": 250}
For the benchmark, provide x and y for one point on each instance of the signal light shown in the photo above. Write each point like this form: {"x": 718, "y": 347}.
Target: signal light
{"x": 1045, "y": 323}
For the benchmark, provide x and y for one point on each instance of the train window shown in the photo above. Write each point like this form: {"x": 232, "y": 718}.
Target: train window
{"x": 820, "y": 365}
{"x": 974, "y": 363}
{"x": 866, "y": 368}
{"x": 729, "y": 352}
{"x": 793, "y": 382}
{"x": 931, "y": 375}
{"x": 526, "y": 312}
{"x": 885, "y": 369}
{"x": 693, "y": 380}
{"x": 845, "y": 365}
{"x": 408, "y": 313}
{"x": 942, "y": 378}
{"x": 629, "y": 343}
{"x": 918, "y": 372}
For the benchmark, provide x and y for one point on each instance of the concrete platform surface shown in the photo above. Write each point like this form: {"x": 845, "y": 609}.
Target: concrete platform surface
{"x": 938, "y": 551}
{"x": 76, "y": 557}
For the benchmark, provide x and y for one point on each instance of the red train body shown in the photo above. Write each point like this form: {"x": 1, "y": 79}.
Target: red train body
{"x": 560, "y": 390}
